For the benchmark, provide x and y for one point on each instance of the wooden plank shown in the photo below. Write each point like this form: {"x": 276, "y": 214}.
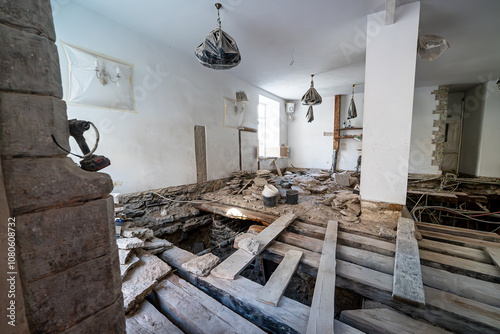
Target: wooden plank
{"x": 272, "y": 292}
{"x": 278, "y": 170}
{"x": 236, "y": 212}
{"x": 407, "y": 285}
{"x": 460, "y": 285}
{"x": 240, "y": 259}
{"x": 240, "y": 295}
{"x": 200, "y": 149}
{"x": 454, "y": 250}
{"x": 336, "y": 124}
{"x": 243, "y": 188}
{"x": 322, "y": 307}
{"x": 457, "y": 240}
{"x": 494, "y": 253}
{"x": 194, "y": 311}
{"x": 463, "y": 232}
{"x": 148, "y": 320}
{"x": 390, "y": 11}
{"x": 387, "y": 321}
{"x": 308, "y": 230}
{"x": 444, "y": 197}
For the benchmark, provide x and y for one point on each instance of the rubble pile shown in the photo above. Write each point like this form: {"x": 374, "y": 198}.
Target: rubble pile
{"x": 348, "y": 204}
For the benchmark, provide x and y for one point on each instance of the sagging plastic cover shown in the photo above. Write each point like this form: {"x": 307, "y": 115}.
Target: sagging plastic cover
{"x": 311, "y": 98}
{"x": 430, "y": 47}
{"x": 352, "y": 112}
{"x": 218, "y": 51}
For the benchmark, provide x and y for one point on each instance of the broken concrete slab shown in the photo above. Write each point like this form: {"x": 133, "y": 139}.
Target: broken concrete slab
{"x": 124, "y": 268}
{"x": 343, "y": 179}
{"x": 202, "y": 265}
{"x": 124, "y": 255}
{"x": 156, "y": 243}
{"x": 133, "y": 232}
{"x": 259, "y": 181}
{"x": 129, "y": 243}
{"x": 142, "y": 279}
{"x": 250, "y": 245}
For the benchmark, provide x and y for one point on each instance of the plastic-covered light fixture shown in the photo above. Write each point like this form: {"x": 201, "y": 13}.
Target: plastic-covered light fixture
{"x": 311, "y": 98}
{"x": 219, "y": 50}
{"x": 352, "y": 113}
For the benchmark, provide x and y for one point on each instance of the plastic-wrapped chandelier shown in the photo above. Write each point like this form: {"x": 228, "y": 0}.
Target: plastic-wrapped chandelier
{"x": 219, "y": 50}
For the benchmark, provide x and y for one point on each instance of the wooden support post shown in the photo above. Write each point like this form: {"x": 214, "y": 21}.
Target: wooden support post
{"x": 407, "y": 284}
{"x": 200, "y": 148}
{"x": 239, "y": 260}
{"x": 322, "y": 307}
{"x": 273, "y": 290}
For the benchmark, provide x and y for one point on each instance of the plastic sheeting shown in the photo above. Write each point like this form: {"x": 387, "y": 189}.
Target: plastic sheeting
{"x": 85, "y": 88}
{"x": 218, "y": 51}
{"x": 352, "y": 113}
{"x": 311, "y": 98}
{"x": 430, "y": 47}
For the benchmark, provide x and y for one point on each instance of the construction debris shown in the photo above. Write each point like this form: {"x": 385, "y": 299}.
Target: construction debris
{"x": 124, "y": 255}
{"x": 201, "y": 265}
{"x": 142, "y": 279}
{"x": 250, "y": 245}
{"x": 131, "y": 263}
{"x": 129, "y": 243}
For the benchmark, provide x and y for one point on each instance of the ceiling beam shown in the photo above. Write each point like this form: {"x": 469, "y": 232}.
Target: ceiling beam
{"x": 390, "y": 9}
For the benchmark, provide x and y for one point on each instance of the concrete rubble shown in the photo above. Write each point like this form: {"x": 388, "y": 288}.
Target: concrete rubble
{"x": 129, "y": 243}
{"x": 250, "y": 245}
{"x": 142, "y": 279}
{"x": 124, "y": 255}
{"x": 201, "y": 265}
{"x": 131, "y": 263}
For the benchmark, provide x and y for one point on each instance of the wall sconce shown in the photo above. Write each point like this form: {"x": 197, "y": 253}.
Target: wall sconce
{"x": 103, "y": 75}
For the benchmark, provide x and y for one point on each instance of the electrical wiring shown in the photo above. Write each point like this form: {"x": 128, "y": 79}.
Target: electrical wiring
{"x": 486, "y": 214}
{"x": 442, "y": 208}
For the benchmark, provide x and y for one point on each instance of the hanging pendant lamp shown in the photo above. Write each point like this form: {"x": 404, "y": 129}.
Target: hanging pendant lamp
{"x": 311, "y": 98}
{"x": 219, "y": 50}
{"x": 352, "y": 113}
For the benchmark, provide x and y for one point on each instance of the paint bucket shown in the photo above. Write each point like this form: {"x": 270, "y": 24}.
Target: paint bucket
{"x": 118, "y": 226}
{"x": 269, "y": 201}
{"x": 292, "y": 197}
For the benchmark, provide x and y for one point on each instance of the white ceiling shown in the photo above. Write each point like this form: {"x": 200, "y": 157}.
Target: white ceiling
{"x": 316, "y": 30}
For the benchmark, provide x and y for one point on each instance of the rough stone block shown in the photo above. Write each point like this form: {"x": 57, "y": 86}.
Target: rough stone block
{"x": 33, "y": 184}
{"x": 58, "y": 239}
{"x": 156, "y": 243}
{"x": 124, "y": 255}
{"x": 129, "y": 243}
{"x": 343, "y": 179}
{"x": 202, "y": 265}
{"x": 134, "y": 232}
{"x": 141, "y": 280}
{"x": 30, "y": 63}
{"x": 124, "y": 268}
{"x": 27, "y": 123}
{"x": 31, "y": 15}
{"x": 109, "y": 320}
{"x": 63, "y": 299}
{"x": 250, "y": 245}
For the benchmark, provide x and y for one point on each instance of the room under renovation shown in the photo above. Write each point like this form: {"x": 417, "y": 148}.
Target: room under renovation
{"x": 244, "y": 166}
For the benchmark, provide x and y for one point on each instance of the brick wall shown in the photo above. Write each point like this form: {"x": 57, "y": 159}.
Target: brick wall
{"x": 67, "y": 259}
{"x": 440, "y": 124}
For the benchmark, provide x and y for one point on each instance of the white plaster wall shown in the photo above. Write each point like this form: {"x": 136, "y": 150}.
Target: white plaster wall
{"x": 389, "y": 88}
{"x": 421, "y": 146}
{"x": 348, "y": 148}
{"x": 490, "y": 152}
{"x": 472, "y": 131}
{"x": 155, "y": 147}
{"x": 308, "y": 147}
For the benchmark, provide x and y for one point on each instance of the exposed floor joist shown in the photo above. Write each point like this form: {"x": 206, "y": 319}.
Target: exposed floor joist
{"x": 407, "y": 285}
{"x": 322, "y": 307}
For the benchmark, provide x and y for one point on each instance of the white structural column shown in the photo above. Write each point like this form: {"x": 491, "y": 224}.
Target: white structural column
{"x": 391, "y": 52}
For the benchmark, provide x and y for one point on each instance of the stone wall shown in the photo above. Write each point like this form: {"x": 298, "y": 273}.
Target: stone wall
{"x": 66, "y": 254}
{"x": 440, "y": 124}
{"x": 166, "y": 210}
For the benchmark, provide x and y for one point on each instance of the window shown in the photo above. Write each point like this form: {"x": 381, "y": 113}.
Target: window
{"x": 269, "y": 127}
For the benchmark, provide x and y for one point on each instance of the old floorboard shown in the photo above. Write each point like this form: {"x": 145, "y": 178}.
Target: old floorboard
{"x": 322, "y": 307}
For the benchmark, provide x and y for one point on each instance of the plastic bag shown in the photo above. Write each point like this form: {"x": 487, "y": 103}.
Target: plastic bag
{"x": 352, "y": 113}
{"x": 218, "y": 51}
{"x": 430, "y": 47}
{"x": 311, "y": 98}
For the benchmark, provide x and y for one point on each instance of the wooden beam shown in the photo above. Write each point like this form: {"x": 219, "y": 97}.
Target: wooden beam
{"x": 387, "y": 321}
{"x": 462, "y": 232}
{"x": 494, "y": 253}
{"x": 236, "y": 212}
{"x": 240, "y": 259}
{"x": 194, "y": 311}
{"x": 457, "y": 240}
{"x": 200, "y": 149}
{"x": 322, "y": 307}
{"x": 454, "y": 250}
{"x": 407, "y": 285}
{"x": 149, "y": 320}
{"x": 390, "y": 10}
{"x": 272, "y": 292}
